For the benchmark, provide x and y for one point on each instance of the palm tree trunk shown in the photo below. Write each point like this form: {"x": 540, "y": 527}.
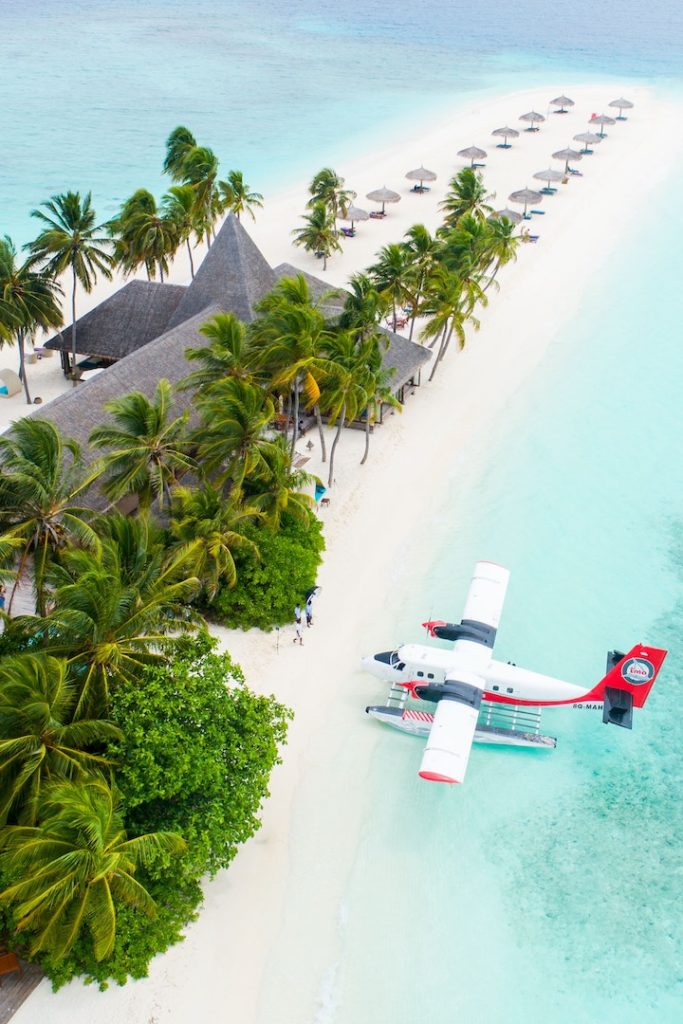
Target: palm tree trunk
{"x": 493, "y": 277}
{"x": 18, "y": 578}
{"x": 22, "y": 365}
{"x": 340, "y": 424}
{"x": 161, "y": 273}
{"x": 319, "y": 421}
{"x": 438, "y": 337}
{"x": 73, "y": 329}
{"x": 442, "y": 348}
{"x": 295, "y": 427}
{"x": 324, "y": 261}
{"x": 367, "y": 437}
{"x": 189, "y": 253}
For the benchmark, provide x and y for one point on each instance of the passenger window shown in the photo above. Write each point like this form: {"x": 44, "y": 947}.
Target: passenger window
{"x": 510, "y": 690}
{"x": 430, "y": 675}
{"x": 495, "y": 687}
{"x": 421, "y": 674}
{"x": 401, "y": 665}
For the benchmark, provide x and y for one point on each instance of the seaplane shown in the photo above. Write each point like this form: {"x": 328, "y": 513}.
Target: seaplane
{"x": 482, "y": 700}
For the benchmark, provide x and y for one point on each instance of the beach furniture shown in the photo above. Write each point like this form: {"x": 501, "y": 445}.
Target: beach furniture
{"x": 354, "y": 213}
{"x": 510, "y": 215}
{"x": 621, "y": 105}
{"x": 474, "y": 155}
{"x": 377, "y": 214}
{"x": 567, "y": 155}
{"x": 525, "y": 196}
{"x": 505, "y": 134}
{"x": 588, "y": 139}
{"x": 348, "y": 232}
{"x": 533, "y": 119}
{"x": 549, "y": 175}
{"x": 9, "y": 383}
{"x": 9, "y": 964}
{"x": 420, "y": 175}
{"x": 383, "y": 195}
{"x": 562, "y": 102}
{"x": 602, "y": 120}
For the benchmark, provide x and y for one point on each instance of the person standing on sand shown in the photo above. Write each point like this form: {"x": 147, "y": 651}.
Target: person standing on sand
{"x": 298, "y": 626}
{"x": 309, "y": 610}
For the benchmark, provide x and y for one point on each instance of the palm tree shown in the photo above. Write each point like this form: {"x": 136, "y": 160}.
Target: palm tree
{"x": 126, "y": 255}
{"x": 379, "y": 393}
{"x": 39, "y": 739}
{"x": 502, "y": 246}
{"x": 153, "y": 238}
{"x": 319, "y": 234}
{"x": 199, "y": 168}
{"x": 43, "y": 477}
{"x": 349, "y": 388}
{"x": 422, "y": 251}
{"x": 364, "y": 306}
{"x": 467, "y": 194}
{"x": 28, "y": 301}
{"x": 114, "y": 607}
{"x": 449, "y": 302}
{"x": 231, "y": 440}
{"x": 231, "y": 353}
{"x": 276, "y": 490}
{"x": 76, "y": 866}
{"x": 70, "y": 241}
{"x": 236, "y": 197}
{"x": 393, "y": 276}
{"x": 148, "y": 448}
{"x": 211, "y": 526}
{"x": 178, "y": 144}
{"x": 328, "y": 188}
{"x": 180, "y": 205}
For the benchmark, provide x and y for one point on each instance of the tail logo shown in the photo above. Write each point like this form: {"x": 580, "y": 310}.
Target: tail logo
{"x": 637, "y": 671}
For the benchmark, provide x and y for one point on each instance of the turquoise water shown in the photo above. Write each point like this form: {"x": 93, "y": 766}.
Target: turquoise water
{"x": 91, "y": 88}
{"x": 549, "y": 887}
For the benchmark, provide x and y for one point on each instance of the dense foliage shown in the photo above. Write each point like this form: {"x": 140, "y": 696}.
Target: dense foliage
{"x": 271, "y": 585}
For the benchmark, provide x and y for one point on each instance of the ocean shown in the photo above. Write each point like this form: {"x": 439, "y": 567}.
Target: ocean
{"x": 549, "y": 887}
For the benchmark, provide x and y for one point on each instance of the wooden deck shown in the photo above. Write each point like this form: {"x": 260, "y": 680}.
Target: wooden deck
{"x": 16, "y": 989}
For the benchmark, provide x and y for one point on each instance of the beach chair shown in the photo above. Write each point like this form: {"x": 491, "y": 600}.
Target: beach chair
{"x": 348, "y": 232}
{"x": 541, "y": 213}
{"x": 377, "y": 215}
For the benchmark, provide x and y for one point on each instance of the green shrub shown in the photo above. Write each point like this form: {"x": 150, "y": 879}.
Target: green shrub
{"x": 268, "y": 588}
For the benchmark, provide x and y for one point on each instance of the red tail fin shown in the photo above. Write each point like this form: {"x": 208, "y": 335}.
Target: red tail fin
{"x": 635, "y": 673}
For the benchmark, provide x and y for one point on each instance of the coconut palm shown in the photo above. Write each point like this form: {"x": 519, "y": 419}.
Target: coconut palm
{"x": 231, "y": 353}
{"x": 449, "y": 304}
{"x": 70, "y": 240}
{"x": 211, "y": 526}
{"x": 178, "y": 144}
{"x": 152, "y": 237}
{"x": 115, "y": 606}
{"x": 379, "y": 393}
{"x": 147, "y": 449}
{"x": 276, "y": 490}
{"x": 43, "y": 477}
{"x": 422, "y": 252}
{"x": 466, "y": 194}
{"x": 180, "y": 206}
{"x": 199, "y": 167}
{"x": 39, "y": 739}
{"x": 364, "y": 306}
{"x": 502, "y": 246}
{"x": 127, "y": 256}
{"x": 28, "y": 302}
{"x": 231, "y": 439}
{"x": 393, "y": 276}
{"x": 71, "y": 871}
{"x": 349, "y": 388}
{"x": 328, "y": 188}
{"x": 319, "y": 235}
{"x": 236, "y": 197}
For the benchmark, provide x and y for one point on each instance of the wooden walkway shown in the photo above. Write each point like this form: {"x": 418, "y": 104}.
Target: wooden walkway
{"x": 16, "y": 989}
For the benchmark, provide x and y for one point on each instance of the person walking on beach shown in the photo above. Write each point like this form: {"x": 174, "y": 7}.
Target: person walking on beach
{"x": 298, "y": 626}
{"x": 309, "y": 610}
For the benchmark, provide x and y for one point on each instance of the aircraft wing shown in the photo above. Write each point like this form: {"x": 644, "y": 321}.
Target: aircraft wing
{"x": 450, "y": 738}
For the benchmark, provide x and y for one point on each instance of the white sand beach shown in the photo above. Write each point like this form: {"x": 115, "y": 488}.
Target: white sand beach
{"x": 274, "y": 914}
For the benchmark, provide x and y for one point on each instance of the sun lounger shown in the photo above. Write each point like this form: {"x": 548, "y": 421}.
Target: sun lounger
{"x": 377, "y": 214}
{"x": 420, "y": 188}
{"x": 541, "y": 213}
{"x": 478, "y": 165}
{"x": 348, "y": 232}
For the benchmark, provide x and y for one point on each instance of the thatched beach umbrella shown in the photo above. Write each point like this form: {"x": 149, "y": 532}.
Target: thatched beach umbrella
{"x": 525, "y": 196}
{"x": 383, "y": 195}
{"x": 567, "y": 155}
{"x": 562, "y": 102}
{"x": 472, "y": 153}
{"x": 532, "y": 118}
{"x": 621, "y": 105}
{"x": 421, "y": 174}
{"x": 505, "y": 134}
{"x": 354, "y": 213}
{"x": 588, "y": 139}
{"x": 549, "y": 175}
{"x": 602, "y": 120}
{"x": 510, "y": 215}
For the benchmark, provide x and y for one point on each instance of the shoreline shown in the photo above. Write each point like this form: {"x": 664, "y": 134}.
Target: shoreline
{"x": 234, "y": 942}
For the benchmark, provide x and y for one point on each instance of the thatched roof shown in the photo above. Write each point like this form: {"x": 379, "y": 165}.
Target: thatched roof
{"x": 130, "y": 318}
{"x": 233, "y": 276}
{"x": 78, "y": 411}
{"x": 404, "y": 357}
